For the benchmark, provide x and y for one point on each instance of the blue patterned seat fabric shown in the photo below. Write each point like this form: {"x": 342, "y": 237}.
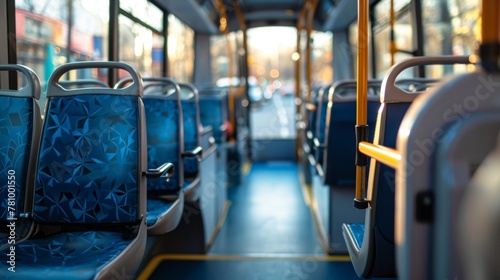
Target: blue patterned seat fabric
{"x": 357, "y": 231}
{"x": 87, "y": 176}
{"x": 211, "y": 114}
{"x": 162, "y": 122}
{"x": 88, "y": 161}
{"x": 190, "y": 137}
{"x": 79, "y": 254}
{"x": 156, "y": 207}
{"x": 16, "y": 128}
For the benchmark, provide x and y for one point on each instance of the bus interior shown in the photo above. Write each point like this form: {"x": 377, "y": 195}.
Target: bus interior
{"x": 249, "y": 139}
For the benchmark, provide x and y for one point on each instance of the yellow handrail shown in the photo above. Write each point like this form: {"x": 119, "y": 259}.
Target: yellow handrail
{"x": 387, "y": 156}
{"x": 361, "y": 104}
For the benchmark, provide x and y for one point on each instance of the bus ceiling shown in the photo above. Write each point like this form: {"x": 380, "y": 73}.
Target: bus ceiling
{"x": 203, "y": 16}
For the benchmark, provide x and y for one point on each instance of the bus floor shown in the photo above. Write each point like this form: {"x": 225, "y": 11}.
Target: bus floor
{"x": 268, "y": 234}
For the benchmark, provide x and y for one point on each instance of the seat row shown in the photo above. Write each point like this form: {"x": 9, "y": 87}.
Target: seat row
{"x": 371, "y": 244}
{"x": 106, "y": 168}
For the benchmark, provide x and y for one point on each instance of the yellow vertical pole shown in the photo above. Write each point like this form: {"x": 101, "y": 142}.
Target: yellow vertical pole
{"x": 297, "y": 66}
{"x": 298, "y": 80}
{"x": 223, "y": 27}
{"x": 362, "y": 62}
{"x": 231, "y": 74}
{"x": 232, "y": 99}
{"x": 308, "y": 58}
{"x": 490, "y": 28}
{"x": 310, "y": 16}
{"x": 361, "y": 105}
{"x": 489, "y": 49}
{"x": 393, "y": 47}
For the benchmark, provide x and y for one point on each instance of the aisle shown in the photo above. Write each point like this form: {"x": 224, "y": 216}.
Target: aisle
{"x": 268, "y": 234}
{"x": 268, "y": 215}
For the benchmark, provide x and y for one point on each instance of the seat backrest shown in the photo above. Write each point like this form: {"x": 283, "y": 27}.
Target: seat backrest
{"x": 312, "y": 111}
{"x": 192, "y": 124}
{"x": 92, "y": 153}
{"x": 340, "y": 141}
{"x": 20, "y": 127}
{"x": 165, "y": 130}
{"x": 319, "y": 121}
{"x": 443, "y": 138}
{"x": 214, "y": 111}
{"x": 395, "y": 99}
{"x": 479, "y": 221}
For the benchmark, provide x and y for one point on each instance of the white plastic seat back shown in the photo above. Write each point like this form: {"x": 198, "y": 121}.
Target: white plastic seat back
{"x": 444, "y": 136}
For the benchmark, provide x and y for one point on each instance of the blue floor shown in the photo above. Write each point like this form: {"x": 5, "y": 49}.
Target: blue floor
{"x": 253, "y": 269}
{"x": 268, "y": 215}
{"x": 268, "y": 234}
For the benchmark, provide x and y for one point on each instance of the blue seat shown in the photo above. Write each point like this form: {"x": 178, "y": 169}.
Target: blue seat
{"x": 319, "y": 126}
{"x": 340, "y": 142}
{"x": 374, "y": 256}
{"x": 20, "y": 127}
{"x": 89, "y": 194}
{"x": 311, "y": 115}
{"x": 165, "y": 144}
{"x": 307, "y": 134}
{"x": 165, "y": 200}
{"x": 214, "y": 111}
{"x": 333, "y": 183}
{"x": 192, "y": 141}
{"x": 377, "y": 236}
{"x": 341, "y": 93}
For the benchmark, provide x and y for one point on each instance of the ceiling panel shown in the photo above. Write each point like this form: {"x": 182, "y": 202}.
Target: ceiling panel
{"x": 202, "y": 16}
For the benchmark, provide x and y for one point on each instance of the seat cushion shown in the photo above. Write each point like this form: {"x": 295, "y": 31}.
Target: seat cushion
{"x": 156, "y": 207}
{"x": 187, "y": 184}
{"x": 75, "y": 255}
{"x": 357, "y": 231}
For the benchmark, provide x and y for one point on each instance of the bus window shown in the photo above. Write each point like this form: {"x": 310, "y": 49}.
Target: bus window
{"x": 270, "y": 62}
{"x": 450, "y": 28}
{"x": 180, "y": 50}
{"x": 145, "y": 11}
{"x": 322, "y": 56}
{"x": 403, "y": 34}
{"x": 219, "y": 53}
{"x": 140, "y": 47}
{"x": 42, "y": 33}
{"x": 141, "y": 37}
{"x": 43, "y": 38}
